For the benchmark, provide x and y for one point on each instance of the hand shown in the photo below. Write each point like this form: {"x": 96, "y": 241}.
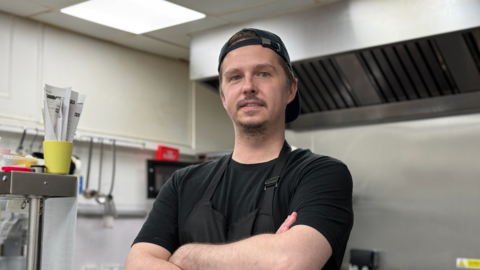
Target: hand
{"x": 176, "y": 257}
{"x": 287, "y": 223}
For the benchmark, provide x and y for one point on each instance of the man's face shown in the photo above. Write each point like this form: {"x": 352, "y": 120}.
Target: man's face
{"x": 254, "y": 87}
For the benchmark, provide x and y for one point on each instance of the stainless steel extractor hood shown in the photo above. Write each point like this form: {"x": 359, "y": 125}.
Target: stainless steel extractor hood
{"x": 419, "y": 77}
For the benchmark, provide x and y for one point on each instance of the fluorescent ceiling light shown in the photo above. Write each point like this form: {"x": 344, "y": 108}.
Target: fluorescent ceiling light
{"x": 134, "y": 16}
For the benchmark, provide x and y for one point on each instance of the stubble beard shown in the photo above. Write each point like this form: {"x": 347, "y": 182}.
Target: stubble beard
{"x": 254, "y": 131}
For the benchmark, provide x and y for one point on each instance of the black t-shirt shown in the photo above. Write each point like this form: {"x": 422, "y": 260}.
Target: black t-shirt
{"x": 318, "y": 188}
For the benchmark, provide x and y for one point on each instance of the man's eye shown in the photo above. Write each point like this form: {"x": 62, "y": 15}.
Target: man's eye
{"x": 263, "y": 74}
{"x": 234, "y": 78}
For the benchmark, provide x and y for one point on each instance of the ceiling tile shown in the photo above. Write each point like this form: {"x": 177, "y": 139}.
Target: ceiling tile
{"x": 154, "y": 46}
{"x": 80, "y": 26}
{"x": 179, "y": 34}
{"x": 57, "y": 3}
{"x": 215, "y": 7}
{"x": 267, "y": 10}
{"x": 20, "y": 7}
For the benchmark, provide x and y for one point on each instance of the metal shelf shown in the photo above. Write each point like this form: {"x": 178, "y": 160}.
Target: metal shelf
{"x": 37, "y": 184}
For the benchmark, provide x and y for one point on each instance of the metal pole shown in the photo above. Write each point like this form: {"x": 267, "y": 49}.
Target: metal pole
{"x": 33, "y": 232}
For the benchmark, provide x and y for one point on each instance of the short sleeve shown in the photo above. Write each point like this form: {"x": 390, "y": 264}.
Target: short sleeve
{"x": 161, "y": 226}
{"x": 323, "y": 201}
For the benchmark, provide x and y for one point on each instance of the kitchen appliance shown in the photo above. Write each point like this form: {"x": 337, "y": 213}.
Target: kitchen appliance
{"x": 158, "y": 172}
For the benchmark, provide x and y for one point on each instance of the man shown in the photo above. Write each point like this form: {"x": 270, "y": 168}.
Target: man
{"x": 224, "y": 214}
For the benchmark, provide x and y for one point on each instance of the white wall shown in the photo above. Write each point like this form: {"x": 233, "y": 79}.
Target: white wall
{"x": 213, "y": 127}
{"x": 130, "y": 94}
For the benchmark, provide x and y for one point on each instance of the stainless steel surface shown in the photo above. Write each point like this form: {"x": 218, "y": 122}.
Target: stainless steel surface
{"x": 59, "y": 219}
{"x": 342, "y": 26}
{"x": 415, "y": 188}
{"x": 33, "y": 232}
{"x": 373, "y": 70}
{"x": 415, "y": 109}
{"x": 38, "y": 168}
{"x": 100, "y": 198}
{"x": 13, "y": 263}
{"x": 20, "y": 149}
{"x": 100, "y": 167}
{"x": 39, "y": 184}
{"x": 460, "y": 61}
{"x": 110, "y": 208}
{"x": 120, "y": 213}
{"x": 36, "y": 187}
{"x": 86, "y": 192}
{"x": 353, "y": 71}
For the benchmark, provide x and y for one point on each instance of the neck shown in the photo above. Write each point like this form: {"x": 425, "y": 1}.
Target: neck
{"x": 261, "y": 147}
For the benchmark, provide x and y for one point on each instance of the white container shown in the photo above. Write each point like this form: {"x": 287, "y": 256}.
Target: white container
{"x": 9, "y": 160}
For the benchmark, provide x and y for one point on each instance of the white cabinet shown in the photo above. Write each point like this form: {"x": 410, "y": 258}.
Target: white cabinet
{"x": 130, "y": 94}
{"x": 20, "y": 68}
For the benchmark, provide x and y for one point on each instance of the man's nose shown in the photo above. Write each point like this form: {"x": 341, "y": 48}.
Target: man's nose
{"x": 249, "y": 86}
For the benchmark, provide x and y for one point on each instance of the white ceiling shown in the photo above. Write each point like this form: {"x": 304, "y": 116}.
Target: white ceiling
{"x": 173, "y": 42}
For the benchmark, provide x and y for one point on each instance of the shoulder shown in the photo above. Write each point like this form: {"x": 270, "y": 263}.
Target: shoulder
{"x": 304, "y": 158}
{"x": 305, "y": 165}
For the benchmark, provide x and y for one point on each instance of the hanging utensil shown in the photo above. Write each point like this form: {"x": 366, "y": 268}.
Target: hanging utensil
{"x": 100, "y": 197}
{"x": 40, "y": 145}
{"x": 29, "y": 150}
{"x": 86, "y": 192}
{"x": 113, "y": 167}
{"x": 110, "y": 212}
{"x": 20, "y": 146}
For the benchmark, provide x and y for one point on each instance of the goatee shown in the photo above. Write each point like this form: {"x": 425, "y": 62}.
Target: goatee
{"x": 254, "y": 131}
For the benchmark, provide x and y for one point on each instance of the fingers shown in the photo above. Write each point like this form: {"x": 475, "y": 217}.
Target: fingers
{"x": 283, "y": 227}
{"x": 293, "y": 218}
{"x": 287, "y": 223}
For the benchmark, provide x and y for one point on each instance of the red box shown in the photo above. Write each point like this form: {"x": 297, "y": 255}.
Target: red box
{"x": 167, "y": 153}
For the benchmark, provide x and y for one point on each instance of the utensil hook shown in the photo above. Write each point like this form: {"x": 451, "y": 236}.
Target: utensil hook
{"x": 20, "y": 146}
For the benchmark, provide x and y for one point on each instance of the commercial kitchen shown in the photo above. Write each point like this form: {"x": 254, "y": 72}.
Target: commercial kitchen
{"x": 389, "y": 87}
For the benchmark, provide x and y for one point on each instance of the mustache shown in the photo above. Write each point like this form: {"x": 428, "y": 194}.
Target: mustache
{"x": 253, "y": 98}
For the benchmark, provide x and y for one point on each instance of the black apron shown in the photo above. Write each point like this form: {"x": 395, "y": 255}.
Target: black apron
{"x": 207, "y": 225}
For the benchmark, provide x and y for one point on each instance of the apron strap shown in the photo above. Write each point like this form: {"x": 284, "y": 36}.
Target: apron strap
{"x": 216, "y": 179}
{"x": 272, "y": 183}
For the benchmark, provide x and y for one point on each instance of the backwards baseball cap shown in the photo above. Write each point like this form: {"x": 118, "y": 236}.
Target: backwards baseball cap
{"x": 275, "y": 43}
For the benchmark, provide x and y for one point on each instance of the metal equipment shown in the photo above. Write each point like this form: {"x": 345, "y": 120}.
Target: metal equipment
{"x": 36, "y": 188}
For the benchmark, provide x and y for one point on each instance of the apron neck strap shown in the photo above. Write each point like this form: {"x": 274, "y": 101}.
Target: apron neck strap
{"x": 216, "y": 179}
{"x": 279, "y": 165}
{"x": 273, "y": 181}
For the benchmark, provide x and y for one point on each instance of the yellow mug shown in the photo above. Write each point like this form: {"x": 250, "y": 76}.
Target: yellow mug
{"x": 58, "y": 156}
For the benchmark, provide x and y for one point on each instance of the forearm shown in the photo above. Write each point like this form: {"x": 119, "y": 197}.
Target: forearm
{"x": 300, "y": 248}
{"x": 150, "y": 263}
{"x": 258, "y": 252}
{"x": 140, "y": 259}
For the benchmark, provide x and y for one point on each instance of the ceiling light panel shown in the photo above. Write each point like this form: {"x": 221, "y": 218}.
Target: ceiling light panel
{"x": 134, "y": 16}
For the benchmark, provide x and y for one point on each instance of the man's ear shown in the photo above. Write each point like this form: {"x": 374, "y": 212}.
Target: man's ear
{"x": 222, "y": 97}
{"x": 292, "y": 91}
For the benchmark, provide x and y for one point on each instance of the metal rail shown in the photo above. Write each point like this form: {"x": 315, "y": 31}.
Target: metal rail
{"x": 33, "y": 245}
